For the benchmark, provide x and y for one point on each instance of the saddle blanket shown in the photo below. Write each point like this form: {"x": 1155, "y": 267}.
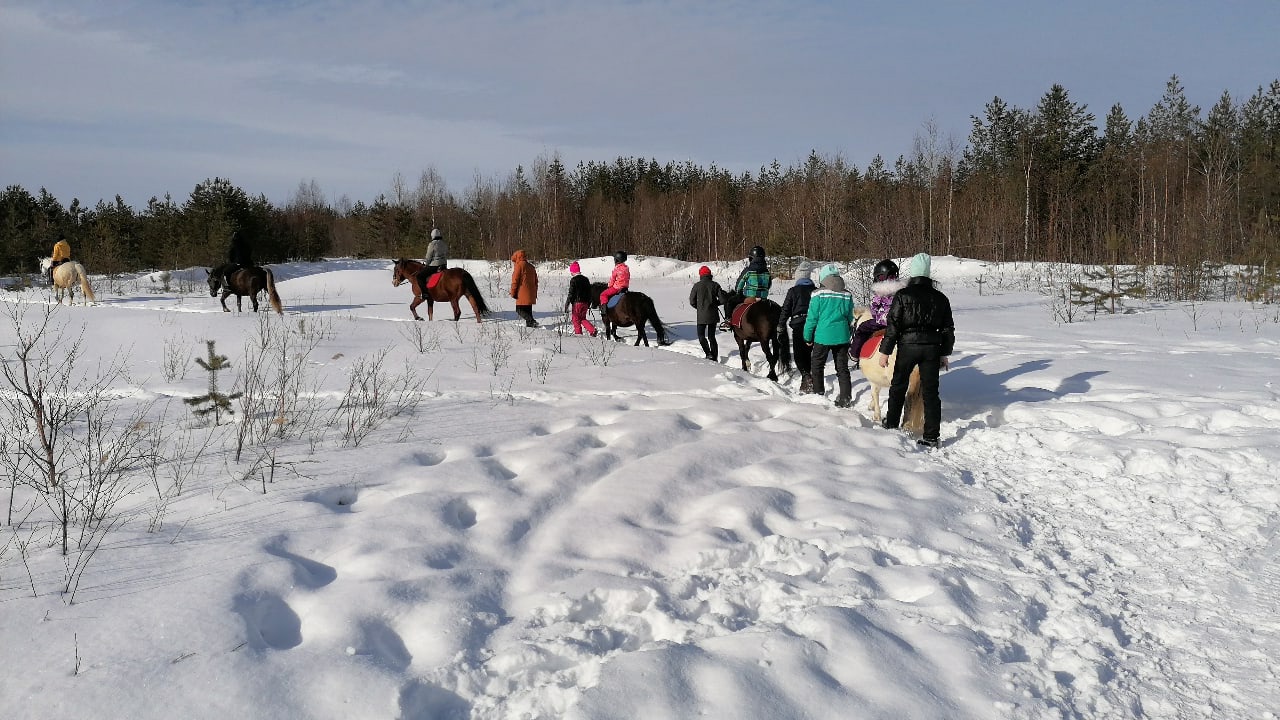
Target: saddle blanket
{"x": 740, "y": 311}
{"x": 613, "y": 301}
{"x": 435, "y": 278}
{"x": 870, "y": 347}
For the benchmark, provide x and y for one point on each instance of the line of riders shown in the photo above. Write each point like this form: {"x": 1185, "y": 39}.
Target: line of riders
{"x": 914, "y": 315}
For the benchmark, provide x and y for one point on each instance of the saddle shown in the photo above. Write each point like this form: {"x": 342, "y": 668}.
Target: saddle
{"x": 870, "y": 347}
{"x": 613, "y": 301}
{"x": 741, "y": 310}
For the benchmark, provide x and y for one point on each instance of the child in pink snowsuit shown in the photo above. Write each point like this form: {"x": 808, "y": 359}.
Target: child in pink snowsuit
{"x": 578, "y": 300}
{"x": 619, "y": 280}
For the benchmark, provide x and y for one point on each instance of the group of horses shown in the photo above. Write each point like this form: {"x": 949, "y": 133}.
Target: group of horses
{"x": 760, "y": 322}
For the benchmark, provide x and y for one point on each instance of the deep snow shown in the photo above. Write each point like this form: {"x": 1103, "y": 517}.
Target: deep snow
{"x": 562, "y": 527}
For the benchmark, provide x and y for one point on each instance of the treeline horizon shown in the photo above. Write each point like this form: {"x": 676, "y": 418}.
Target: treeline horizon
{"x": 1174, "y": 186}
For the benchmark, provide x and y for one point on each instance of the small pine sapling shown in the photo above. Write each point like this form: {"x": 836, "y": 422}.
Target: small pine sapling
{"x": 218, "y": 402}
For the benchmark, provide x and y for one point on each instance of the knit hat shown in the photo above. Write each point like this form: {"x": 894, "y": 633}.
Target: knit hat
{"x": 704, "y": 270}
{"x": 919, "y": 266}
{"x": 574, "y": 267}
{"x": 803, "y": 272}
{"x": 827, "y": 271}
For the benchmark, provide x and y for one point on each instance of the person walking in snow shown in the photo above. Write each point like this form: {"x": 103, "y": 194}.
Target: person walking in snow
{"x": 920, "y": 327}
{"x": 827, "y": 328}
{"x": 578, "y": 300}
{"x": 705, "y": 297}
{"x": 795, "y": 310}
{"x": 524, "y": 287}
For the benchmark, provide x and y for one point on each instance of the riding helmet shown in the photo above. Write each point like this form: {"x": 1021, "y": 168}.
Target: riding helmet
{"x": 435, "y": 233}
{"x": 757, "y": 253}
{"x": 885, "y": 270}
{"x": 620, "y": 257}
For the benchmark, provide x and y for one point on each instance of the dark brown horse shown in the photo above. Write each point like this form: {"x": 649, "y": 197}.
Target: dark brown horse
{"x": 452, "y": 284}
{"x": 760, "y": 325}
{"x": 635, "y": 308}
{"x": 245, "y": 281}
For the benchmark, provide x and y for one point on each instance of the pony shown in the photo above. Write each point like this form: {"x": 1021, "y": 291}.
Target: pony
{"x": 65, "y": 276}
{"x": 245, "y": 281}
{"x": 881, "y": 377}
{"x": 635, "y": 308}
{"x": 760, "y": 323}
{"x": 450, "y": 285}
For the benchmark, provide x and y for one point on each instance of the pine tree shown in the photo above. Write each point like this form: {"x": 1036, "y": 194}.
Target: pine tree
{"x": 218, "y": 403}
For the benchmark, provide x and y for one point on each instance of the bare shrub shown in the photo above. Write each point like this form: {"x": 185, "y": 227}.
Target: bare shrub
{"x": 374, "y": 395}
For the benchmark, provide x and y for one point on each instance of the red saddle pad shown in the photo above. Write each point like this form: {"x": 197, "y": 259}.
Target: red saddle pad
{"x": 435, "y": 278}
{"x": 870, "y": 347}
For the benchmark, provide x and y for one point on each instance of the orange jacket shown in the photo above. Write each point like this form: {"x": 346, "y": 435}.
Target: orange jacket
{"x": 524, "y": 280}
{"x": 61, "y": 251}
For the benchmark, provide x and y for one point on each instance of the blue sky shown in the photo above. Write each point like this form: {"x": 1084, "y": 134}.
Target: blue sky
{"x": 140, "y": 98}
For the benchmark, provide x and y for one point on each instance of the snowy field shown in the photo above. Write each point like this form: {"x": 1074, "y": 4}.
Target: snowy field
{"x": 524, "y": 524}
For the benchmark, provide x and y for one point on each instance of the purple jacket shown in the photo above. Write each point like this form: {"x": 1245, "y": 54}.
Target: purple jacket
{"x": 883, "y": 300}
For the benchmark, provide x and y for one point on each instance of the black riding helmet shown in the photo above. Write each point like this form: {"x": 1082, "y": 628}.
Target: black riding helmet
{"x": 619, "y": 257}
{"x": 885, "y": 270}
{"x": 757, "y": 253}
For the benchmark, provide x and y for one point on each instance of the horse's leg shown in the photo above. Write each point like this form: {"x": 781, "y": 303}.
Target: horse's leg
{"x": 875, "y": 403}
{"x": 223, "y": 300}
{"x": 770, "y": 354}
{"x": 431, "y": 308}
{"x": 744, "y": 348}
{"x": 641, "y": 334}
{"x": 457, "y": 311}
{"x": 413, "y": 306}
{"x": 253, "y": 300}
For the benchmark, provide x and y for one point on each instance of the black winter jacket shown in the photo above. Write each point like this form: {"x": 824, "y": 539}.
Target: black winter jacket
{"x": 796, "y": 307}
{"x": 707, "y": 296}
{"x": 920, "y": 315}
{"x": 579, "y": 290}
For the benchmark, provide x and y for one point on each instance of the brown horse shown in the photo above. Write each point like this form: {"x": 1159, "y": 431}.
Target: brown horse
{"x": 452, "y": 284}
{"x": 635, "y": 308}
{"x": 245, "y": 281}
{"x": 880, "y": 378}
{"x": 760, "y": 323}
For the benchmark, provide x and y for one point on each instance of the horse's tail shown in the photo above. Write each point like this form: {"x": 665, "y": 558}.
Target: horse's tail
{"x": 784, "y": 346}
{"x": 658, "y": 326}
{"x": 271, "y": 291}
{"x": 84, "y": 284}
{"x": 470, "y": 288}
{"x": 913, "y": 409}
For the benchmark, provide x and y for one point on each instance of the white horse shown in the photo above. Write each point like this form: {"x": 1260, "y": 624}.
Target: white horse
{"x": 882, "y": 377}
{"x": 64, "y": 278}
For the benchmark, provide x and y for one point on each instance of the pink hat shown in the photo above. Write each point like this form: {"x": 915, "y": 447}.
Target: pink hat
{"x": 574, "y": 267}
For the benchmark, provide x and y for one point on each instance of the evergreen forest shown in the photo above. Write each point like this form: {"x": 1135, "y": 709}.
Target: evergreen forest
{"x": 1179, "y": 186}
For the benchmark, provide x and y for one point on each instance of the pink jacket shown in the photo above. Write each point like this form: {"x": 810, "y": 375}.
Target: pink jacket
{"x": 621, "y": 277}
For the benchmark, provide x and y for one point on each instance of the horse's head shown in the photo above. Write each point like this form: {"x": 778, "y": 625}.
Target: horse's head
{"x": 215, "y": 282}
{"x": 45, "y": 264}
{"x": 397, "y": 273}
{"x": 596, "y": 289}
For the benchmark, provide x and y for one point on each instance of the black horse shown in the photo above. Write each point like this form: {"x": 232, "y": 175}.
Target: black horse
{"x": 635, "y": 308}
{"x": 760, "y": 323}
{"x": 244, "y": 281}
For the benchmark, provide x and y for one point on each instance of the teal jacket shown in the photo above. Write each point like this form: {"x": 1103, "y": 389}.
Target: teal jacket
{"x": 830, "y": 317}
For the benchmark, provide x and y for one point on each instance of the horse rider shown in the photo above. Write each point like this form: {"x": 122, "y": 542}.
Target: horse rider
{"x": 753, "y": 282}
{"x": 885, "y": 284}
{"x": 436, "y": 260}
{"x": 619, "y": 279}
{"x": 239, "y": 255}
{"x": 61, "y": 254}
{"x": 921, "y": 328}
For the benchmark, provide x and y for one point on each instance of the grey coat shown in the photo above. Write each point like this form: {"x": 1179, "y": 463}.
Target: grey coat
{"x": 437, "y": 252}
